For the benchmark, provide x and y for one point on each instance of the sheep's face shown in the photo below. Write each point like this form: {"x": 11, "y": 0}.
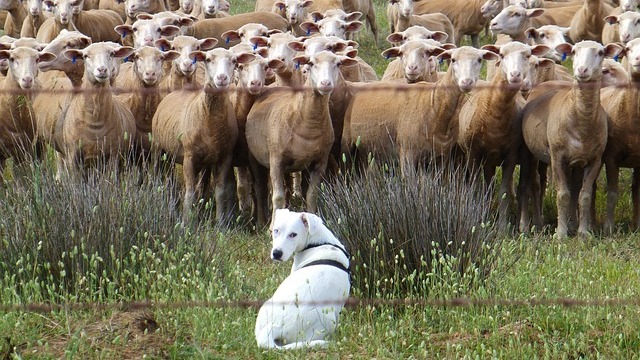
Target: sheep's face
{"x": 415, "y": 58}
{"x": 465, "y": 64}
{"x": 587, "y": 58}
{"x": 323, "y": 70}
{"x": 632, "y": 52}
{"x": 185, "y": 45}
{"x": 417, "y": 33}
{"x": 491, "y": 8}
{"x": 248, "y": 31}
{"x": 338, "y": 27}
{"x": 514, "y": 61}
{"x": 146, "y": 32}
{"x": 187, "y": 6}
{"x": 65, "y": 40}
{"x": 63, "y": 9}
{"x": 296, "y": 10}
{"x": 510, "y": 20}
{"x": 34, "y": 7}
{"x": 629, "y": 5}
{"x": 406, "y": 7}
{"x": 629, "y": 26}
{"x": 23, "y": 64}
{"x": 101, "y": 60}
{"x": 134, "y": 7}
{"x": 220, "y": 64}
{"x": 613, "y": 74}
{"x": 211, "y": 7}
{"x": 278, "y": 49}
{"x": 147, "y": 64}
{"x": 551, "y": 36}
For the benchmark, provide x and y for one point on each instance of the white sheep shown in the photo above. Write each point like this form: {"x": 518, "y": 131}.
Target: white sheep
{"x": 145, "y": 32}
{"x": 201, "y": 133}
{"x": 95, "y": 125}
{"x": 184, "y": 72}
{"x": 295, "y": 12}
{"x": 621, "y": 28}
{"x": 292, "y": 131}
{"x": 573, "y": 143}
{"x": 97, "y": 24}
{"x": 367, "y": 9}
{"x": 34, "y": 20}
{"x": 134, "y": 7}
{"x": 588, "y": 22}
{"x": 614, "y": 74}
{"x": 414, "y": 61}
{"x": 333, "y": 25}
{"x": 550, "y": 35}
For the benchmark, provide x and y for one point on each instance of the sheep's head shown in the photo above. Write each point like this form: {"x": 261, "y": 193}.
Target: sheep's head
{"x": 514, "y": 59}
{"x": 416, "y": 33}
{"x": 296, "y": 10}
{"x": 246, "y": 32}
{"x": 65, "y": 40}
{"x": 415, "y": 57}
{"x": 613, "y": 73}
{"x": 629, "y": 5}
{"x": 465, "y": 64}
{"x": 146, "y": 31}
{"x": 405, "y": 7}
{"x": 490, "y": 8}
{"x": 147, "y": 63}
{"x": 323, "y": 69}
{"x": 632, "y": 52}
{"x": 100, "y": 60}
{"x": 23, "y": 64}
{"x": 63, "y": 9}
{"x": 278, "y": 49}
{"x": 587, "y": 58}
{"x": 211, "y": 7}
{"x": 628, "y": 25}
{"x": 185, "y": 45}
{"x": 34, "y": 7}
{"x": 512, "y": 20}
{"x": 219, "y": 65}
{"x": 332, "y": 27}
{"x": 550, "y": 35}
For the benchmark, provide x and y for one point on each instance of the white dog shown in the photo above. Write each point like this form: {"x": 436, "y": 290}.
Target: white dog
{"x": 306, "y": 306}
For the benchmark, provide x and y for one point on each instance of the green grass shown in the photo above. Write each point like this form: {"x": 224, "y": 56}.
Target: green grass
{"x": 58, "y": 244}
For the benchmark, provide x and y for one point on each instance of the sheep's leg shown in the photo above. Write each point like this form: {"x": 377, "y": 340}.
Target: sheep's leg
{"x": 243, "y": 180}
{"x": 260, "y": 185}
{"x": 612, "y": 195}
{"x": 524, "y": 190}
{"x": 539, "y": 188}
{"x": 276, "y": 173}
{"x": 563, "y": 196}
{"x": 315, "y": 177}
{"x": 475, "y": 40}
{"x": 635, "y": 198}
{"x": 505, "y": 195}
{"x": 586, "y": 196}
{"x": 223, "y": 187}
{"x": 371, "y": 19}
{"x": 190, "y": 184}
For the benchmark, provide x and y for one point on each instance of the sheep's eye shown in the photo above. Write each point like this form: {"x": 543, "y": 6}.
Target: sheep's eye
{"x": 158, "y": 30}
{"x": 453, "y": 61}
{"x": 479, "y": 61}
{"x": 541, "y": 36}
{"x": 292, "y": 235}
{"x": 276, "y": 231}
{"x": 135, "y": 29}
{"x": 600, "y": 53}
{"x": 12, "y": 59}
{"x": 605, "y": 71}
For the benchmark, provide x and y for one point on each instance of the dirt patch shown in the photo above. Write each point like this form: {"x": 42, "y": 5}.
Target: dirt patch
{"x": 125, "y": 335}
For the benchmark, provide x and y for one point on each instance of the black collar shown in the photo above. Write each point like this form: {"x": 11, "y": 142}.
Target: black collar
{"x": 345, "y": 252}
{"x": 333, "y": 263}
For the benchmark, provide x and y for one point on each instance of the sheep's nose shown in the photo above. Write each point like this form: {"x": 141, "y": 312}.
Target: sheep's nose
{"x": 515, "y": 74}
{"x": 101, "y": 69}
{"x": 582, "y": 70}
{"x": 222, "y": 77}
{"x": 150, "y": 73}
{"x": 255, "y": 83}
{"x": 412, "y": 67}
{"x": 27, "y": 80}
{"x": 276, "y": 254}
{"x": 325, "y": 83}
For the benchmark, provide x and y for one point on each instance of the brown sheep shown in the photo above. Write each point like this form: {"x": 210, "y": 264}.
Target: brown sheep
{"x": 34, "y": 20}
{"x": 588, "y": 22}
{"x": 16, "y": 15}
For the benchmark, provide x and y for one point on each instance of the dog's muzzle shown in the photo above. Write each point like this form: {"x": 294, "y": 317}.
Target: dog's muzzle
{"x": 276, "y": 254}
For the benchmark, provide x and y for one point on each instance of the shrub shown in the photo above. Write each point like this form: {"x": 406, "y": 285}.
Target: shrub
{"x": 410, "y": 235}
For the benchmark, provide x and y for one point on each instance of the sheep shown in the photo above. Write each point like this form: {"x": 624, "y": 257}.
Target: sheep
{"x": 214, "y": 28}
{"x": 202, "y": 132}
{"x": 143, "y": 95}
{"x": 416, "y": 32}
{"x": 134, "y": 7}
{"x": 15, "y": 17}
{"x": 629, "y": 5}
{"x": 489, "y": 124}
{"x": 184, "y": 71}
{"x": 95, "y": 126}
{"x": 550, "y": 35}
{"x": 628, "y": 27}
{"x": 295, "y": 11}
{"x": 48, "y": 108}
{"x": 212, "y": 9}
{"x": 588, "y": 22}
{"x": 464, "y": 14}
{"x": 416, "y": 121}
{"x": 34, "y": 19}
{"x": 318, "y": 5}
{"x": 97, "y": 24}
{"x": 113, "y": 5}
{"x": 573, "y": 143}
{"x": 434, "y": 21}
{"x": 246, "y": 32}
{"x": 17, "y": 125}
{"x": 292, "y": 131}
{"x": 622, "y": 107}
{"x": 332, "y": 26}
{"x": 614, "y": 74}
{"x": 513, "y": 21}
{"x": 366, "y": 8}
{"x": 145, "y": 32}
{"x": 415, "y": 61}
{"x": 278, "y": 47}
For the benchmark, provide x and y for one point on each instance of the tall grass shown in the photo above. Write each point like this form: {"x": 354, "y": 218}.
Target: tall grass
{"x": 410, "y": 235}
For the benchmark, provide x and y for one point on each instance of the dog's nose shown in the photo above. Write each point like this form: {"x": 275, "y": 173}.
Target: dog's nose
{"x": 276, "y": 254}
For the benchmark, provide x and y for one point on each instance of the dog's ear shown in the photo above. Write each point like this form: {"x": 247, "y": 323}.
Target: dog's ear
{"x": 312, "y": 222}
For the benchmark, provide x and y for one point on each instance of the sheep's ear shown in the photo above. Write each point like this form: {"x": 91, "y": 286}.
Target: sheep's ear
{"x": 231, "y": 35}
{"x": 197, "y": 56}
{"x": 354, "y": 26}
{"x": 531, "y": 33}
{"x": 296, "y": 45}
{"x": 5, "y": 54}
{"x": 439, "y": 36}
{"x": 144, "y": 16}
{"x": 49, "y": 3}
{"x": 393, "y": 52}
{"x": 207, "y": 43}
{"x": 490, "y": 55}
{"x": 564, "y": 48}
{"x": 348, "y": 61}
{"x": 280, "y": 5}
{"x": 448, "y": 46}
{"x": 534, "y": 12}
{"x": 163, "y": 44}
{"x": 565, "y": 31}
{"x": 312, "y": 222}
{"x": 245, "y": 58}
{"x": 259, "y": 41}
{"x": 351, "y": 53}
{"x": 274, "y": 31}
{"x": 170, "y": 55}
{"x": 316, "y": 16}
{"x": 539, "y": 50}
{"x": 275, "y": 64}
{"x": 352, "y": 43}
{"x": 338, "y": 46}
{"x": 396, "y": 37}
{"x": 306, "y": 3}
{"x": 309, "y": 27}
{"x": 435, "y": 51}
{"x": 124, "y": 30}
{"x": 611, "y": 50}
{"x": 445, "y": 55}
{"x": 493, "y": 48}
{"x": 353, "y": 16}
{"x": 301, "y": 60}
{"x": 546, "y": 63}
{"x": 124, "y": 51}
{"x": 169, "y": 30}
{"x": 611, "y": 19}
{"x": 73, "y": 54}
{"x": 264, "y": 52}
{"x": 185, "y": 21}
{"x": 46, "y": 57}
{"x": 5, "y": 46}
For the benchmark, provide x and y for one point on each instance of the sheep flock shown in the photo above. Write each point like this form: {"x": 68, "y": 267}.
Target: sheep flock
{"x": 255, "y": 106}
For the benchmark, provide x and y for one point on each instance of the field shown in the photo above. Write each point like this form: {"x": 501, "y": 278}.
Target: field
{"x": 126, "y": 279}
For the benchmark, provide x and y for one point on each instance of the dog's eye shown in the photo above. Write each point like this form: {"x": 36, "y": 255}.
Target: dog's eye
{"x": 292, "y": 235}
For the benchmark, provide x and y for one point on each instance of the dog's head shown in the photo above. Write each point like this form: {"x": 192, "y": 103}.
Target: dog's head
{"x": 291, "y": 232}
